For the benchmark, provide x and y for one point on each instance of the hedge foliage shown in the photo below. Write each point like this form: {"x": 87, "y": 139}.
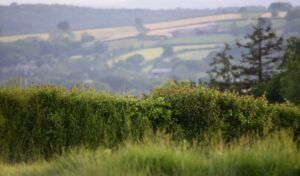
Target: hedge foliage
{"x": 41, "y": 121}
{"x": 200, "y": 112}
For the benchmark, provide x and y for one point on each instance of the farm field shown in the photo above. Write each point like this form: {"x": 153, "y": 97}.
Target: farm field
{"x": 207, "y": 39}
{"x": 148, "y": 54}
{"x": 193, "y": 47}
{"x": 162, "y": 28}
{"x": 195, "y": 55}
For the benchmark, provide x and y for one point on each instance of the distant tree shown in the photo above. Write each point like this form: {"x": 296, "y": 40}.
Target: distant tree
{"x": 292, "y": 26}
{"x": 167, "y": 51}
{"x": 243, "y": 9}
{"x": 136, "y": 59}
{"x": 1, "y": 31}
{"x": 86, "y": 38}
{"x": 63, "y": 26}
{"x": 290, "y": 77}
{"x": 99, "y": 47}
{"x": 293, "y": 14}
{"x": 280, "y": 6}
{"x": 263, "y": 56}
{"x": 275, "y": 13}
{"x": 223, "y": 73}
{"x": 13, "y": 4}
{"x": 139, "y": 24}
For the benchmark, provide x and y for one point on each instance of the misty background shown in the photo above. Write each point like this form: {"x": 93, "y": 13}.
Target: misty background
{"x": 155, "y": 4}
{"x": 127, "y": 45}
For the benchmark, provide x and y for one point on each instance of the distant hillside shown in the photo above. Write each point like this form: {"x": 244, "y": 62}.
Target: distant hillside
{"x": 22, "y": 19}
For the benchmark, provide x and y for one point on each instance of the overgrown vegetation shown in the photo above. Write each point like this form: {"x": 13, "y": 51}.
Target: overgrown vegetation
{"x": 42, "y": 121}
{"x": 275, "y": 155}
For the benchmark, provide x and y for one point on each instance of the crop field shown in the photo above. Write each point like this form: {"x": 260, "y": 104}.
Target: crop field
{"x": 168, "y": 31}
{"x": 207, "y": 39}
{"x": 148, "y": 54}
{"x": 195, "y": 55}
{"x": 134, "y": 43}
{"x": 193, "y": 47}
{"x": 104, "y": 34}
{"x": 161, "y": 28}
{"x": 109, "y": 34}
{"x": 193, "y": 21}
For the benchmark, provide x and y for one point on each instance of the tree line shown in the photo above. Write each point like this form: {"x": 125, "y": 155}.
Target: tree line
{"x": 266, "y": 65}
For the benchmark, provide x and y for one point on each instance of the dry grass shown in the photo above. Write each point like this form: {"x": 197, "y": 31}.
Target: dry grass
{"x": 192, "y": 47}
{"x": 193, "y": 21}
{"x": 161, "y": 28}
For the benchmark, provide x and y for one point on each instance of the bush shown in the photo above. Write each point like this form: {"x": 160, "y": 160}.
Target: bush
{"x": 200, "y": 112}
{"x": 41, "y": 121}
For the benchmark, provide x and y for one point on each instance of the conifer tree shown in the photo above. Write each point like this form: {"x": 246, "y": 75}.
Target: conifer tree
{"x": 223, "y": 73}
{"x": 263, "y": 55}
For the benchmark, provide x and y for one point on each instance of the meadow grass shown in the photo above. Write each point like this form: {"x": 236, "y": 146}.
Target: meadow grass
{"x": 207, "y": 39}
{"x": 275, "y": 154}
{"x": 182, "y": 48}
{"x": 196, "y": 54}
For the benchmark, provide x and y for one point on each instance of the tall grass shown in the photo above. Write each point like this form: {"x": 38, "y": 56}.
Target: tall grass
{"x": 273, "y": 155}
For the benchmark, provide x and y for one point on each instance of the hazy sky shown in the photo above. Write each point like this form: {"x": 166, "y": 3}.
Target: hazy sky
{"x": 154, "y": 4}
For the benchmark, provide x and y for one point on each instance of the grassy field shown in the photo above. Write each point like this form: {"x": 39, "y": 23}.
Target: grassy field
{"x": 134, "y": 43}
{"x": 161, "y": 28}
{"x": 192, "y": 47}
{"x": 275, "y": 155}
{"x": 192, "y": 21}
{"x": 207, "y": 39}
{"x": 195, "y": 55}
{"x": 104, "y": 34}
{"x": 148, "y": 53}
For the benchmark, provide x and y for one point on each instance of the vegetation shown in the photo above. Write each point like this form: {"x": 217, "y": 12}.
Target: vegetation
{"x": 49, "y": 120}
{"x": 223, "y": 73}
{"x": 274, "y": 155}
{"x": 261, "y": 60}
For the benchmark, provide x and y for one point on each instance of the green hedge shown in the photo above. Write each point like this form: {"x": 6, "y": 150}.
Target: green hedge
{"x": 39, "y": 122}
{"x": 200, "y": 112}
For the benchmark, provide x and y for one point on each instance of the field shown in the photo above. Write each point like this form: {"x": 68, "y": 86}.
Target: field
{"x": 148, "y": 53}
{"x": 193, "y": 47}
{"x": 161, "y": 28}
{"x": 207, "y": 39}
{"x": 193, "y": 21}
{"x": 195, "y": 55}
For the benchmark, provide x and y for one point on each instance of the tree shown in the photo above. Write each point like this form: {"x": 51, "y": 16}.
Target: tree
{"x": 63, "y": 26}
{"x": 86, "y": 38}
{"x": 263, "y": 56}
{"x": 139, "y": 24}
{"x": 290, "y": 77}
{"x": 167, "y": 51}
{"x": 1, "y": 31}
{"x": 223, "y": 73}
{"x": 280, "y": 6}
{"x": 293, "y": 14}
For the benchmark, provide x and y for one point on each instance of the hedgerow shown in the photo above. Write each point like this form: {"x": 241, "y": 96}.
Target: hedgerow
{"x": 42, "y": 121}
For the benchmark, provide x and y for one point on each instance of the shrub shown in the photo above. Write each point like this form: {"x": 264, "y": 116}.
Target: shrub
{"x": 200, "y": 112}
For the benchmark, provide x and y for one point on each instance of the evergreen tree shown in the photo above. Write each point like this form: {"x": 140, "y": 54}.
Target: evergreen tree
{"x": 263, "y": 55}
{"x": 223, "y": 72}
{"x": 290, "y": 76}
